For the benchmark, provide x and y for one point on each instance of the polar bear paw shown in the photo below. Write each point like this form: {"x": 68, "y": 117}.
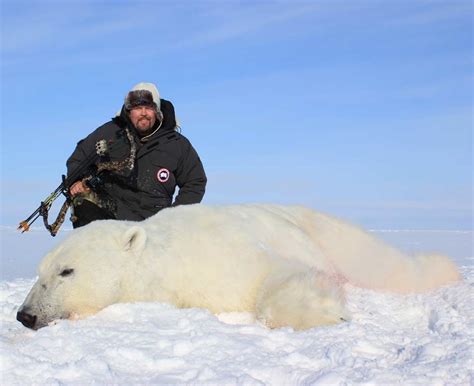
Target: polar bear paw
{"x": 301, "y": 300}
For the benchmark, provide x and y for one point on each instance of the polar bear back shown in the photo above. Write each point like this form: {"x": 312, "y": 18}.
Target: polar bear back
{"x": 203, "y": 246}
{"x": 242, "y": 237}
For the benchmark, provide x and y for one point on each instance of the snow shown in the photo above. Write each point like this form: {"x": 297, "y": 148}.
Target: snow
{"x": 424, "y": 339}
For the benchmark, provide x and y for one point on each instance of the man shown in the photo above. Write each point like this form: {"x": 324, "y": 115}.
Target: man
{"x": 146, "y": 159}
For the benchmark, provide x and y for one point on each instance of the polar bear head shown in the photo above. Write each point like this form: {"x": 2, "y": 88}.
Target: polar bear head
{"x": 71, "y": 283}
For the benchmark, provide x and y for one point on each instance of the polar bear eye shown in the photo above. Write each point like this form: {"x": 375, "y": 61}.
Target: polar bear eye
{"x": 66, "y": 272}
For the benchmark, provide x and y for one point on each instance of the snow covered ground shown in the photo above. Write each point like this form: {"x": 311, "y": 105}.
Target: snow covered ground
{"x": 425, "y": 339}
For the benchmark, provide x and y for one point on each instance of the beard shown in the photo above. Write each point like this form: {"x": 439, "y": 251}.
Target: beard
{"x": 143, "y": 121}
{"x": 144, "y": 125}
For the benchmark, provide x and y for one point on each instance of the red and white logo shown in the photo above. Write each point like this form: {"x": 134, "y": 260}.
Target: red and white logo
{"x": 163, "y": 175}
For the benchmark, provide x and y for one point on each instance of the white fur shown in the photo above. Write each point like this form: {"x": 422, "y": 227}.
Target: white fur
{"x": 286, "y": 264}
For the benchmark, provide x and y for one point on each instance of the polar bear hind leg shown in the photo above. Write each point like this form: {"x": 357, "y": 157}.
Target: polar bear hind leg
{"x": 301, "y": 300}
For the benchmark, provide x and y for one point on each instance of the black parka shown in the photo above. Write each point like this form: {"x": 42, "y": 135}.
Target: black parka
{"x": 165, "y": 161}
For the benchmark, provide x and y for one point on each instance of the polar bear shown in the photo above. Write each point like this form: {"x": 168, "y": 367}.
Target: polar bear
{"x": 288, "y": 265}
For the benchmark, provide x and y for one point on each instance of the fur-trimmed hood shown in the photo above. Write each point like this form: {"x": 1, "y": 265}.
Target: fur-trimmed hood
{"x": 148, "y": 87}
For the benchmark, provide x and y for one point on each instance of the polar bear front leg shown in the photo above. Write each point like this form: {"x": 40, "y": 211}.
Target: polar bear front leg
{"x": 301, "y": 300}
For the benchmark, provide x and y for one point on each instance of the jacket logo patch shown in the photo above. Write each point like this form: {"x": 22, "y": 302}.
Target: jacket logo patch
{"x": 163, "y": 175}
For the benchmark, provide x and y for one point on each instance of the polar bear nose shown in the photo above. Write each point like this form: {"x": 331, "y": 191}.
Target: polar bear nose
{"x": 26, "y": 319}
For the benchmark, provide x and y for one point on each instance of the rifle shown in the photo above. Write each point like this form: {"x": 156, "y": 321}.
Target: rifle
{"x": 63, "y": 188}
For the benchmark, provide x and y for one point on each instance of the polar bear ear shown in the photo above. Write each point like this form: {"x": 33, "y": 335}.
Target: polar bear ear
{"x": 134, "y": 240}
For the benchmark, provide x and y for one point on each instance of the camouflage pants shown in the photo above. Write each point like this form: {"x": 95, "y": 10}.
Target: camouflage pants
{"x": 88, "y": 207}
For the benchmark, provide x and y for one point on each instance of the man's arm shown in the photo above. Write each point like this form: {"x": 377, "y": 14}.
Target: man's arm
{"x": 82, "y": 159}
{"x": 190, "y": 177}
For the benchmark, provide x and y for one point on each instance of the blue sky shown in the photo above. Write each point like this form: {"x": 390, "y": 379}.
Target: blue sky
{"x": 361, "y": 109}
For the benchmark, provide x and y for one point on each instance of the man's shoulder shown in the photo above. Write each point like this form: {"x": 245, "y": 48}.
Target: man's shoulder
{"x": 171, "y": 140}
{"x": 108, "y": 128}
{"x": 115, "y": 123}
{"x": 171, "y": 136}
{"x": 181, "y": 137}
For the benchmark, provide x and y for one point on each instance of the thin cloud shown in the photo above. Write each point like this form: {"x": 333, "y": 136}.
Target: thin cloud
{"x": 434, "y": 12}
{"x": 69, "y": 26}
{"x": 234, "y": 20}
{"x": 96, "y": 32}
{"x": 239, "y": 21}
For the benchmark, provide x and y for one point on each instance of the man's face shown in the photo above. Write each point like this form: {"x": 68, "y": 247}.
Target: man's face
{"x": 143, "y": 118}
